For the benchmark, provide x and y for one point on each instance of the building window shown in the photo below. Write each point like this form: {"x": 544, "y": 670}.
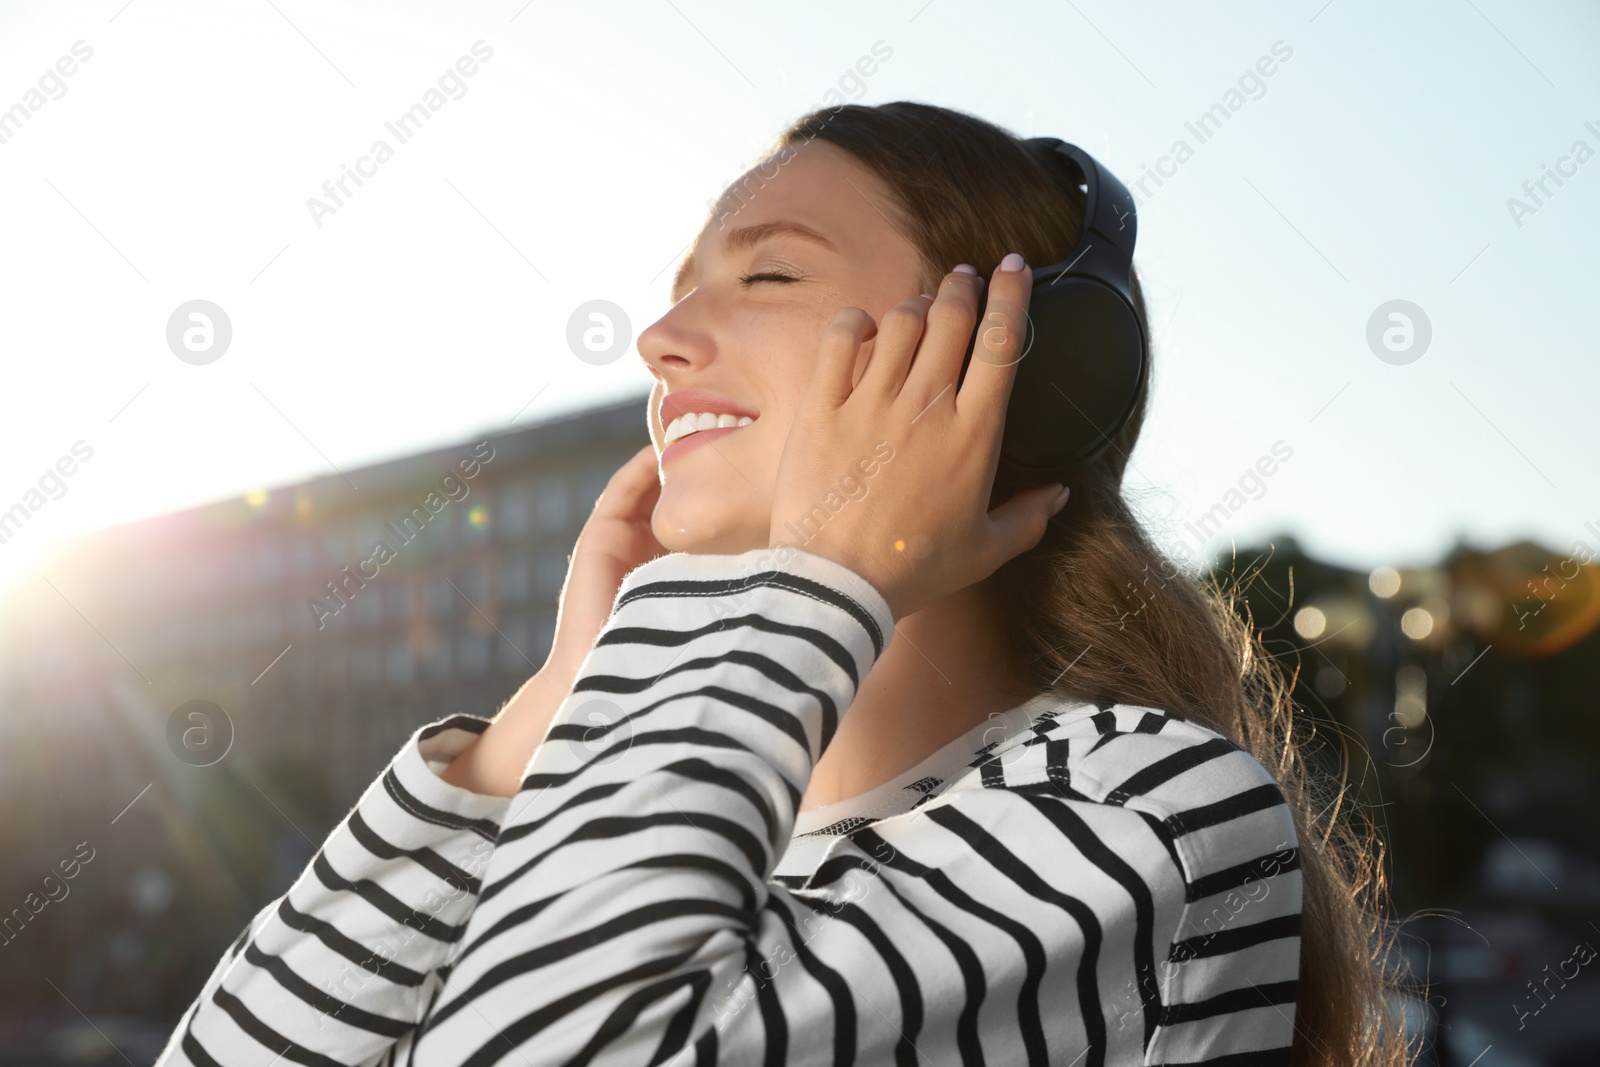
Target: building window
{"x": 442, "y": 598}
{"x": 592, "y": 482}
{"x": 397, "y": 604}
{"x": 449, "y": 523}
{"x": 436, "y": 660}
{"x": 399, "y": 666}
{"x": 332, "y": 667}
{"x": 516, "y": 574}
{"x": 552, "y": 571}
{"x": 472, "y": 654}
{"x": 367, "y": 606}
{"x": 511, "y": 649}
{"x": 366, "y": 665}
{"x": 472, "y": 585}
{"x": 550, "y": 503}
{"x": 511, "y": 511}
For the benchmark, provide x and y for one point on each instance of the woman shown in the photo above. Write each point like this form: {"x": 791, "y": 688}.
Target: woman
{"x": 914, "y": 786}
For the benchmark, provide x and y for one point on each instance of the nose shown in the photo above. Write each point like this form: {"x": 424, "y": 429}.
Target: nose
{"x": 676, "y": 342}
{"x": 674, "y": 348}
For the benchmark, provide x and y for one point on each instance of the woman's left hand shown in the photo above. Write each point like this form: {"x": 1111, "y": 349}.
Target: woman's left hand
{"x": 923, "y": 530}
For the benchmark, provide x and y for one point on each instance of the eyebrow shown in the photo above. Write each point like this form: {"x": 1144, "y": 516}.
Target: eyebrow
{"x": 748, "y": 237}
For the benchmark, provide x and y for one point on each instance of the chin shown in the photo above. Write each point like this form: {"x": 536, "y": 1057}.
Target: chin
{"x": 704, "y": 531}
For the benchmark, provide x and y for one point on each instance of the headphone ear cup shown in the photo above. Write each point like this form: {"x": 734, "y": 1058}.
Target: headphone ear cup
{"x": 1080, "y": 373}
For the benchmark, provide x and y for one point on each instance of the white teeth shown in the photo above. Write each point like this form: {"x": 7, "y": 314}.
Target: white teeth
{"x": 684, "y": 425}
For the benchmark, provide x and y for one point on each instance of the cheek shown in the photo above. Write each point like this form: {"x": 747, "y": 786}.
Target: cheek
{"x": 784, "y": 348}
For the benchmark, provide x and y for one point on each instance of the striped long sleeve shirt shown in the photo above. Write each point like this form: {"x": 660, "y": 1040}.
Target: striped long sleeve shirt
{"x": 1066, "y": 884}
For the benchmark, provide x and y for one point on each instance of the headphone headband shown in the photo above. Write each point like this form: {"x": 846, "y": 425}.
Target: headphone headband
{"x": 1104, "y": 249}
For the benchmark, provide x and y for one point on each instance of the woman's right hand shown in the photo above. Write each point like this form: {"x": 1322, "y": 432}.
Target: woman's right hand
{"x": 616, "y": 538}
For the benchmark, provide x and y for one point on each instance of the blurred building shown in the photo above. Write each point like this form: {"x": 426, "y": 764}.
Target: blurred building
{"x": 280, "y": 607}
{"x": 321, "y": 653}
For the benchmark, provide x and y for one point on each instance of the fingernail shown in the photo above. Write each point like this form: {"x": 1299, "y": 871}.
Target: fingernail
{"x": 1061, "y": 499}
{"x": 1012, "y": 262}
{"x": 966, "y": 268}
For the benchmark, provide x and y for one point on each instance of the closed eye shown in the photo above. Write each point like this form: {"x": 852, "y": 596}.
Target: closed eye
{"x": 766, "y": 276}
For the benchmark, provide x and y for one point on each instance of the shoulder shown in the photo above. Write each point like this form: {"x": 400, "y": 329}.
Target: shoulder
{"x": 1171, "y": 849}
{"x": 1211, "y": 803}
{"x": 1121, "y": 754}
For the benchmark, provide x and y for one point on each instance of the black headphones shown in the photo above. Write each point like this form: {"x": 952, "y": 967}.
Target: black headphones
{"x": 1084, "y": 358}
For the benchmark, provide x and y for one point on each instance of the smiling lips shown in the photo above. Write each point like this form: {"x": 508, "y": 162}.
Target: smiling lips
{"x": 690, "y": 417}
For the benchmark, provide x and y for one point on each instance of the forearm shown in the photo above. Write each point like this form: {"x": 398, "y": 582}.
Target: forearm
{"x": 634, "y": 866}
{"x": 494, "y": 763}
{"x": 346, "y": 961}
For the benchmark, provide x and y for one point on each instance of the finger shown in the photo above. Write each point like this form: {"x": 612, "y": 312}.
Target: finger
{"x": 832, "y": 380}
{"x": 633, "y": 485}
{"x": 1020, "y": 523}
{"x": 900, "y": 331}
{"x": 950, "y": 317}
{"x": 1001, "y": 340}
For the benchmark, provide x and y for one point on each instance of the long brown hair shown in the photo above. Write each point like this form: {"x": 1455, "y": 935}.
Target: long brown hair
{"x": 969, "y": 191}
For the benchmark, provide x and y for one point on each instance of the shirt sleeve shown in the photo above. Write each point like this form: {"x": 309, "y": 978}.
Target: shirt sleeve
{"x": 629, "y": 915}
{"x": 346, "y": 961}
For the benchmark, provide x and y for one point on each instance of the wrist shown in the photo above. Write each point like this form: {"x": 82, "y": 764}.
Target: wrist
{"x": 494, "y": 763}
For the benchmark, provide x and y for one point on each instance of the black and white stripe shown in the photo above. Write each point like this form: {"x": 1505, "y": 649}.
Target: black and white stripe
{"x": 1111, "y": 885}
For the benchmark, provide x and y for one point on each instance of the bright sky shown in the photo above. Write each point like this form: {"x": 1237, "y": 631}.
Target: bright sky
{"x": 1374, "y": 164}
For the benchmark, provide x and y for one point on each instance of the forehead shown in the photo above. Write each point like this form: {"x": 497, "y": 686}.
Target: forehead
{"x": 815, "y": 187}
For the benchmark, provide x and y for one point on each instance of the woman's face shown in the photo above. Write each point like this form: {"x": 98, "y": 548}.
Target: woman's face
{"x": 749, "y": 306}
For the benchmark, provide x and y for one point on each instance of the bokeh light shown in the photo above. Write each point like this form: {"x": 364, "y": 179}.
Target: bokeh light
{"x": 1310, "y": 623}
{"x": 1416, "y": 623}
{"x": 1384, "y": 582}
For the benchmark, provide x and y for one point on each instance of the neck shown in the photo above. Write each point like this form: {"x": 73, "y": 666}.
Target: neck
{"x": 942, "y": 674}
